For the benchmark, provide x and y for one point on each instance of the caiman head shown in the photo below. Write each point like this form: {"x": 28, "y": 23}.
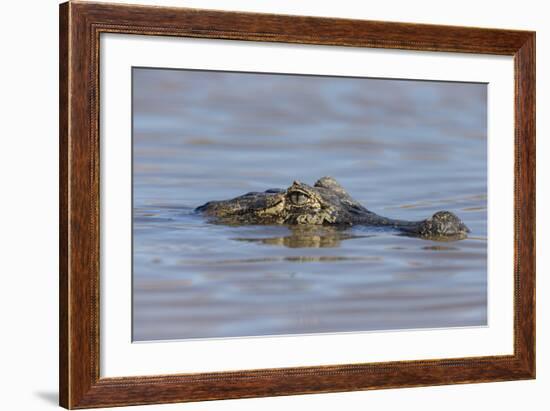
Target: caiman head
{"x": 324, "y": 203}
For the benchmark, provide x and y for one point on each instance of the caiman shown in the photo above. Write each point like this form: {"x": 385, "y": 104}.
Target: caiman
{"x": 324, "y": 203}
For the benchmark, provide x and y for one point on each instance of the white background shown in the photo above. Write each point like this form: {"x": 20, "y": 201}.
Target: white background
{"x": 29, "y": 165}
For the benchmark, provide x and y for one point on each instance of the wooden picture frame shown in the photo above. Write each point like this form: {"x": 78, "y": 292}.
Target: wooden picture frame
{"x": 80, "y": 27}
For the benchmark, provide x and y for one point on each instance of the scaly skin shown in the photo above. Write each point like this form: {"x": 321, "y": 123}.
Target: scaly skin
{"x": 326, "y": 203}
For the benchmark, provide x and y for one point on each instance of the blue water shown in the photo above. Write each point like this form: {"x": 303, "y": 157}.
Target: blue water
{"x": 404, "y": 149}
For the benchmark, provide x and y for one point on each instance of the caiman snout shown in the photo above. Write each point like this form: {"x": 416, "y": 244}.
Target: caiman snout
{"x": 443, "y": 224}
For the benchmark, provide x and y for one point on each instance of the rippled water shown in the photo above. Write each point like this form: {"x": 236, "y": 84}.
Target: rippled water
{"x": 404, "y": 149}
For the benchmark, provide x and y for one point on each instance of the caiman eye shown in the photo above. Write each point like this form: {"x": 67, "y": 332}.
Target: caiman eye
{"x": 298, "y": 198}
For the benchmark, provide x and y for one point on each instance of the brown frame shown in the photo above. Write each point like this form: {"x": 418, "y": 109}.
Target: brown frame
{"x": 81, "y": 24}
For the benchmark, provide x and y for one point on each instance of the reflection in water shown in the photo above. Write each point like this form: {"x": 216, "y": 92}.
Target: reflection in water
{"x": 292, "y": 259}
{"x": 196, "y": 279}
{"x": 440, "y": 248}
{"x": 404, "y": 149}
{"x": 307, "y": 237}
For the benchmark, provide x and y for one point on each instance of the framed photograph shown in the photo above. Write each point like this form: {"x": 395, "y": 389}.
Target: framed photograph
{"x": 259, "y": 205}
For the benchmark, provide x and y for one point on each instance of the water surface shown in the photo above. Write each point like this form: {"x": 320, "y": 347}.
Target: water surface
{"x": 404, "y": 149}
